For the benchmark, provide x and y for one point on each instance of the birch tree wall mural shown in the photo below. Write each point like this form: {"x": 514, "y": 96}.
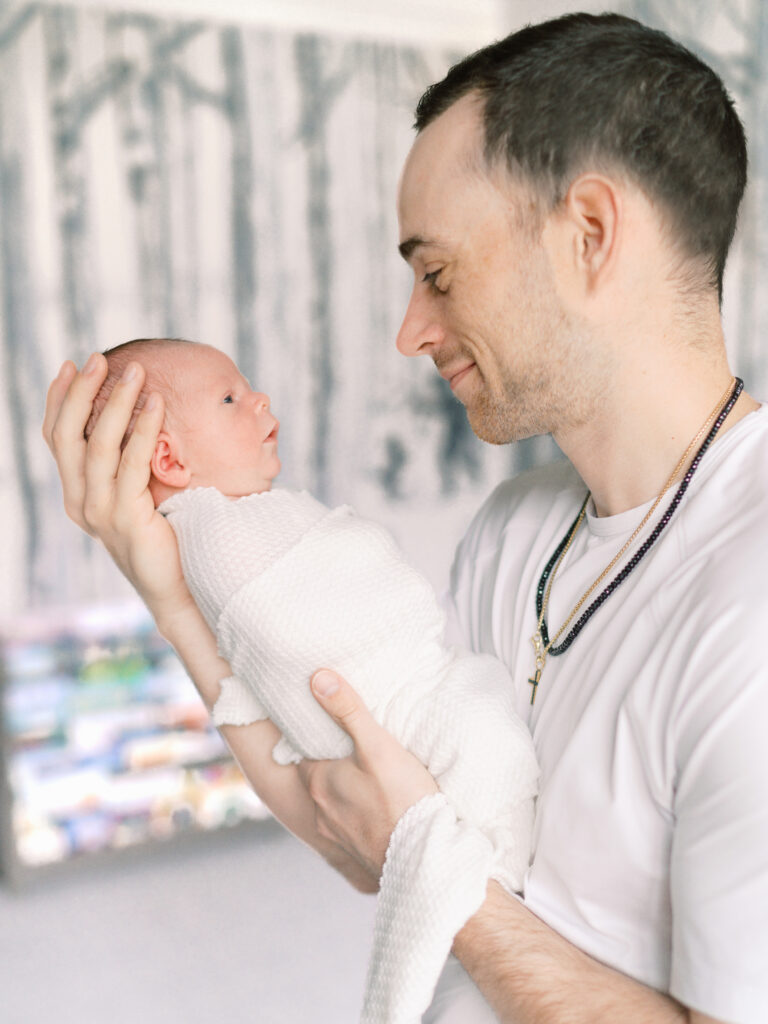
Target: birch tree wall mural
{"x": 236, "y": 185}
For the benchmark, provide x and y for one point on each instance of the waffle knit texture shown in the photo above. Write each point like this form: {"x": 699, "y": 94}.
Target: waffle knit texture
{"x": 289, "y": 586}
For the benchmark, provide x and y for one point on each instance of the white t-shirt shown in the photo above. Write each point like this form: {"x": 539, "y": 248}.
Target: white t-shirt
{"x": 651, "y": 835}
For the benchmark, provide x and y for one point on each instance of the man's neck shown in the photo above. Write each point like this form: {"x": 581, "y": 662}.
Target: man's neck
{"x": 627, "y": 451}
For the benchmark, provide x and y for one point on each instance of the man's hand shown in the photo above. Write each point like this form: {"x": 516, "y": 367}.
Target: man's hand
{"x": 359, "y": 799}
{"x": 105, "y": 491}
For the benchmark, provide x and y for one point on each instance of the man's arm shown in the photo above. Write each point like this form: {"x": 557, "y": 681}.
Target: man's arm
{"x": 531, "y": 975}
{"x": 528, "y": 972}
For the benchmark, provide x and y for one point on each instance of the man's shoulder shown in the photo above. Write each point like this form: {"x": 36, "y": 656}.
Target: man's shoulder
{"x": 724, "y": 525}
{"x": 539, "y": 483}
{"x": 527, "y": 498}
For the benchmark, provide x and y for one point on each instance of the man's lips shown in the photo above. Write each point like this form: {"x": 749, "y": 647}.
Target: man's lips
{"x": 454, "y": 376}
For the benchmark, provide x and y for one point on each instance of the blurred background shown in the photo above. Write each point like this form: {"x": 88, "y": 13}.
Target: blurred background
{"x": 225, "y": 170}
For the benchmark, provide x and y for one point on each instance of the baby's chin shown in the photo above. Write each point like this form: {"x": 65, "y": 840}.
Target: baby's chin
{"x": 261, "y": 489}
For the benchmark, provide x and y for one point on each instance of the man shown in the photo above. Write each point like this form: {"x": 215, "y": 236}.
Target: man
{"x": 567, "y": 208}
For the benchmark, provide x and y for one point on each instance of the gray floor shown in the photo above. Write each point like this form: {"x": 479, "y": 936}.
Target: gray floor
{"x": 248, "y": 927}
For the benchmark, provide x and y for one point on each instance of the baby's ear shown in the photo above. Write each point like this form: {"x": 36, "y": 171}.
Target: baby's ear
{"x": 167, "y": 464}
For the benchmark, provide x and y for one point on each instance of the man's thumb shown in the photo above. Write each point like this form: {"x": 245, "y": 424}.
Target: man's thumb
{"x": 325, "y": 684}
{"x": 338, "y": 698}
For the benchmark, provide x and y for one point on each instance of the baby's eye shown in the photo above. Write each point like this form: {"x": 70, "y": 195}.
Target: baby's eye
{"x": 228, "y": 399}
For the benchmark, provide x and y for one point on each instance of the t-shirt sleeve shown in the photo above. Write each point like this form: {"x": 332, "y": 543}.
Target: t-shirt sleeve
{"x": 466, "y": 601}
{"x": 719, "y": 857}
{"x": 454, "y": 634}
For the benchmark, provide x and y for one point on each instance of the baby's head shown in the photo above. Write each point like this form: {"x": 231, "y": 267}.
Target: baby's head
{"x": 216, "y": 432}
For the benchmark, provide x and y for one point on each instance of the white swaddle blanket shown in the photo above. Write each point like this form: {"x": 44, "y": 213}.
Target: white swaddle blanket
{"x": 289, "y": 586}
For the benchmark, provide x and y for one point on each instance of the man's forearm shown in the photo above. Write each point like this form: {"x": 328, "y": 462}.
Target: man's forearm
{"x": 251, "y": 745}
{"x": 531, "y": 975}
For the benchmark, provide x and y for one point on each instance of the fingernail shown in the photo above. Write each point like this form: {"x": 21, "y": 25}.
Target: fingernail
{"x": 325, "y": 684}
{"x": 90, "y": 366}
{"x": 129, "y": 373}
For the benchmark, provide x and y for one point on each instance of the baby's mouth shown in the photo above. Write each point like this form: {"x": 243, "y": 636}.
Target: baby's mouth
{"x": 272, "y": 435}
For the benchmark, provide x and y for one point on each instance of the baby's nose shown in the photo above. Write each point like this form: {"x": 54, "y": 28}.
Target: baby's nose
{"x": 261, "y": 402}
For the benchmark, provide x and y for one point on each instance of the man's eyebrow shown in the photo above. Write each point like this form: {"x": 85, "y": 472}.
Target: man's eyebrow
{"x": 407, "y": 247}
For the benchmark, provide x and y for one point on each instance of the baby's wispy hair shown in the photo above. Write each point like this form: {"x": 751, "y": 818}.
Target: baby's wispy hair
{"x": 160, "y": 377}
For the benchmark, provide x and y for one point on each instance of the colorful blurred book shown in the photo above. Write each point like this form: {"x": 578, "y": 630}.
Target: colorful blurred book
{"x": 105, "y": 742}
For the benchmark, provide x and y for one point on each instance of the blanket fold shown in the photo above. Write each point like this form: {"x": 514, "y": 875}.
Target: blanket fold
{"x": 421, "y": 907}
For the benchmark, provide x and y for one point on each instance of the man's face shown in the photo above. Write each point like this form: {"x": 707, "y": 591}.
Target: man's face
{"x": 484, "y": 304}
{"x": 227, "y": 435}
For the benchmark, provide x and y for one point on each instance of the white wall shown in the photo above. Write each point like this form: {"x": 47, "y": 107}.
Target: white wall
{"x": 432, "y": 22}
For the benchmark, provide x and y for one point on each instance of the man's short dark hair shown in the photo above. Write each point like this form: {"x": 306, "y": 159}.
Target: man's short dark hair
{"x": 585, "y": 92}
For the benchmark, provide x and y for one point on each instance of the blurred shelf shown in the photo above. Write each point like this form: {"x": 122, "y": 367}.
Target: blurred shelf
{"x": 105, "y": 744}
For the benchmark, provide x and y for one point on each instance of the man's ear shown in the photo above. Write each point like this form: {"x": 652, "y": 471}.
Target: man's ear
{"x": 168, "y": 464}
{"x": 593, "y": 209}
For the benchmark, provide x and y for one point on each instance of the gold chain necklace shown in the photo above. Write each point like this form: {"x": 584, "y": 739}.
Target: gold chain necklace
{"x": 542, "y": 648}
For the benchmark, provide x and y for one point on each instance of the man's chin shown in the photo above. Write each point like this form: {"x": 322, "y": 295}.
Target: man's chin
{"x": 496, "y": 426}
{"x": 493, "y": 429}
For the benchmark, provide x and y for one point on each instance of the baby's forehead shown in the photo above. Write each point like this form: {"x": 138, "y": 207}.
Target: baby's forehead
{"x": 192, "y": 372}
{"x": 203, "y": 361}
{"x": 188, "y": 362}
{"x": 185, "y": 365}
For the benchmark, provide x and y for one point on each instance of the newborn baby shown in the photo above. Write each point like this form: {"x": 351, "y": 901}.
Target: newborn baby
{"x": 288, "y": 585}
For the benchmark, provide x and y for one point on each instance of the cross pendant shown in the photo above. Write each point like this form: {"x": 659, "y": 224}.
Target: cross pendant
{"x": 541, "y": 654}
{"x": 534, "y": 683}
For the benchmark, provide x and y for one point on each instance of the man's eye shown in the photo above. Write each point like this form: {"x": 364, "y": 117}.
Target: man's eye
{"x": 431, "y": 280}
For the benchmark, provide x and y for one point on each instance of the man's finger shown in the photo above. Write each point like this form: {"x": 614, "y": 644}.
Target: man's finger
{"x": 133, "y": 475}
{"x": 68, "y": 406}
{"x": 104, "y": 454}
{"x": 341, "y": 702}
{"x": 67, "y": 413}
{"x": 56, "y": 393}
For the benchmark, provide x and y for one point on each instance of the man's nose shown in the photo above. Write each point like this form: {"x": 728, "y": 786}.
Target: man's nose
{"x": 421, "y": 331}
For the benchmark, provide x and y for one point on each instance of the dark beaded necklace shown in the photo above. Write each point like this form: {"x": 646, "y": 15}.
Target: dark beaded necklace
{"x": 641, "y": 552}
